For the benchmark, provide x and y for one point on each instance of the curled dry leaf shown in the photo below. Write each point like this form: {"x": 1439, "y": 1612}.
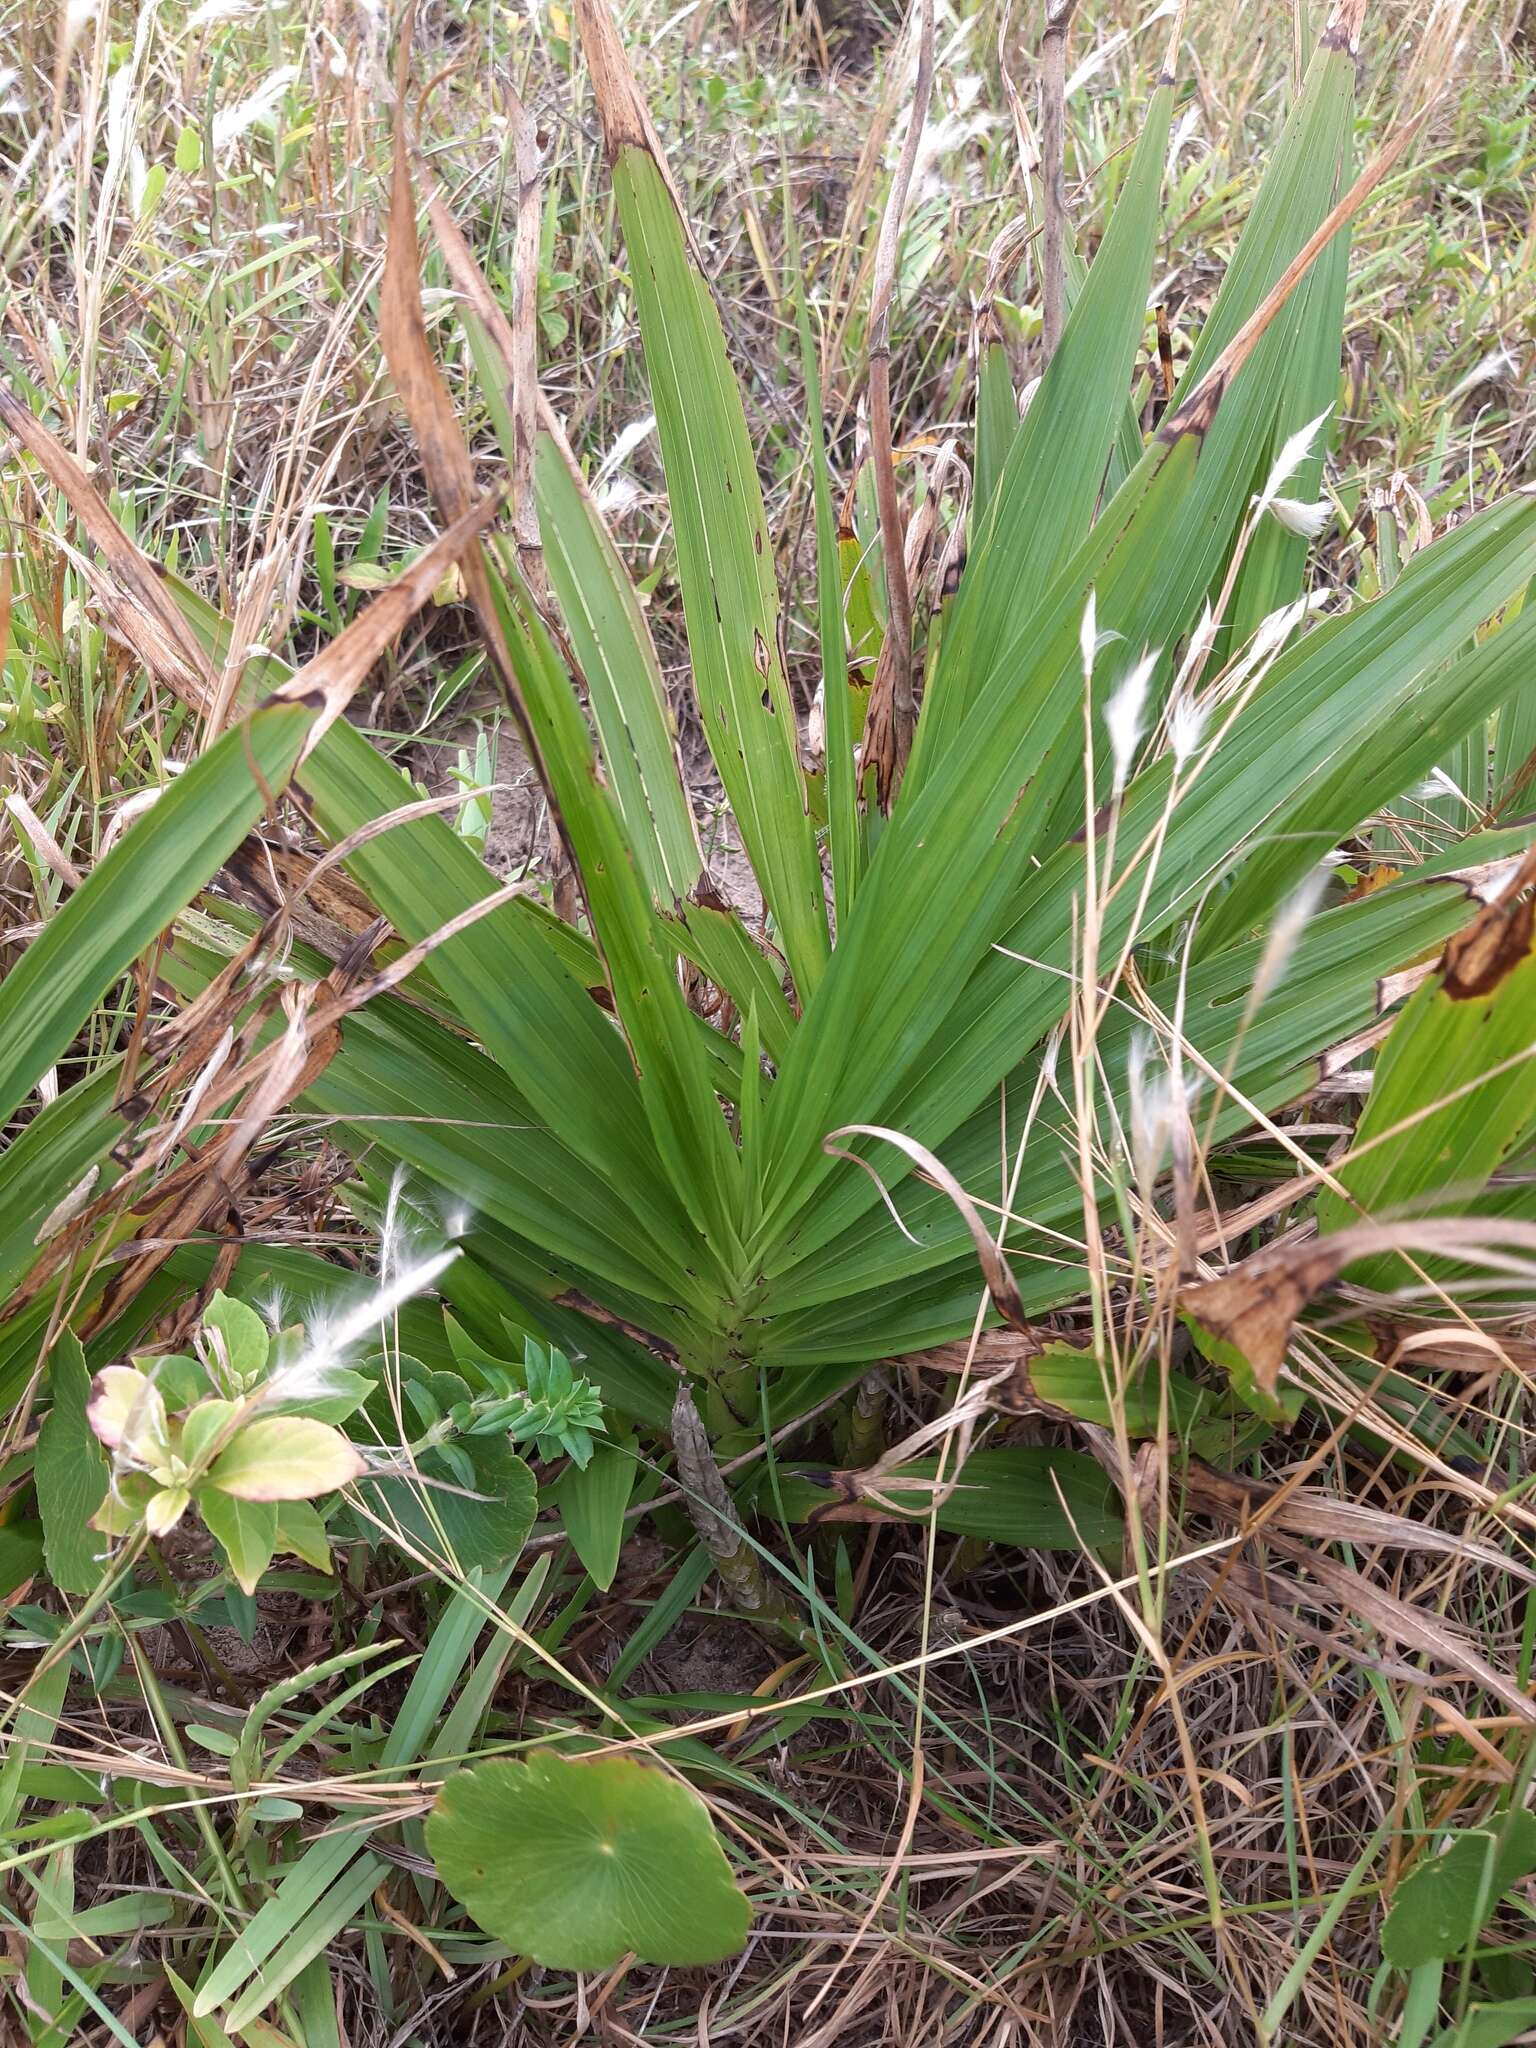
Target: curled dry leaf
{"x": 996, "y": 1271}
{"x": 1246, "y": 1316}
{"x": 1496, "y": 942}
{"x": 132, "y": 590}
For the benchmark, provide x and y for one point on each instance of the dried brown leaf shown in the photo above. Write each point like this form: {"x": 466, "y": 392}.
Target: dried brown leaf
{"x": 139, "y": 607}
{"x": 1254, "y": 1306}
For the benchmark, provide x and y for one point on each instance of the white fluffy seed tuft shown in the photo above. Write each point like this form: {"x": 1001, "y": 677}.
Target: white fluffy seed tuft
{"x": 1125, "y": 713}
{"x": 1300, "y": 518}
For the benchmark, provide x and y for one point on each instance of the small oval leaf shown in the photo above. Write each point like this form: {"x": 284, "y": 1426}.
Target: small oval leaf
{"x": 127, "y": 1413}
{"x": 286, "y": 1457}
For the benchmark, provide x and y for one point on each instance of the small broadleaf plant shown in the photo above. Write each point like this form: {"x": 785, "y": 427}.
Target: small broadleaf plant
{"x": 203, "y": 1431}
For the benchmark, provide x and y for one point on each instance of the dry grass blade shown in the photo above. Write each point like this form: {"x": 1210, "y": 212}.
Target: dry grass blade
{"x": 1306, "y": 1511}
{"x": 1408, "y": 1625}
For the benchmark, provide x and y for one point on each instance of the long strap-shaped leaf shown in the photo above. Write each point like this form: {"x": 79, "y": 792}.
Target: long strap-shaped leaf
{"x": 1054, "y": 472}
{"x": 507, "y": 980}
{"x": 617, "y": 661}
{"x": 1298, "y": 187}
{"x": 725, "y": 561}
{"x": 1514, "y": 739}
{"x": 1307, "y": 173}
{"x": 604, "y": 862}
{"x": 1305, "y": 754}
{"x": 132, "y": 895}
{"x": 1006, "y": 791}
{"x": 713, "y": 937}
{"x": 303, "y": 1884}
{"x": 607, "y": 630}
{"x": 1273, "y": 572}
{"x": 845, "y": 835}
{"x": 945, "y": 867}
{"x": 413, "y": 1089}
{"x": 1349, "y": 774}
{"x": 613, "y": 650}
{"x": 53, "y": 1166}
{"x": 1001, "y": 602}
{"x": 687, "y": 1128}
{"x": 899, "y": 1292}
{"x": 997, "y": 417}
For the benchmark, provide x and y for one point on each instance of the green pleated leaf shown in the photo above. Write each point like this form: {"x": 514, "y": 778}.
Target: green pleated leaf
{"x": 613, "y": 650}
{"x": 1299, "y": 769}
{"x": 688, "y": 1132}
{"x": 1455, "y": 1085}
{"x": 870, "y": 1291}
{"x": 1054, "y": 474}
{"x": 840, "y": 732}
{"x": 710, "y": 934}
{"x": 128, "y": 899}
{"x": 1381, "y": 669}
{"x": 997, "y": 420}
{"x": 1300, "y": 183}
{"x": 1514, "y": 739}
{"x": 521, "y": 981}
{"x": 955, "y": 849}
{"x": 724, "y": 554}
{"x": 605, "y": 625}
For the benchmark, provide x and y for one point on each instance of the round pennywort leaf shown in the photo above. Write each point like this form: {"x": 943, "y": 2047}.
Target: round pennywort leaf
{"x": 576, "y": 1863}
